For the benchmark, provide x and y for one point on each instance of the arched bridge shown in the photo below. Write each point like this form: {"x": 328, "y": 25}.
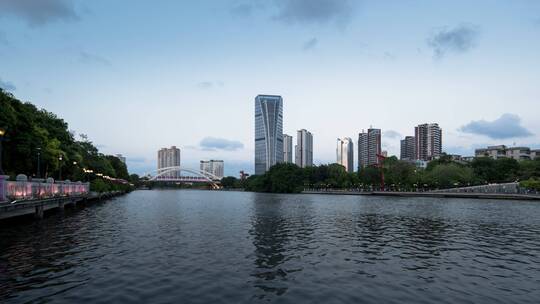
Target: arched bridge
{"x": 173, "y": 174}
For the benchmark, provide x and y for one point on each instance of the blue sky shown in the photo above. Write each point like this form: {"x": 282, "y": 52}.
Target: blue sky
{"x": 136, "y": 76}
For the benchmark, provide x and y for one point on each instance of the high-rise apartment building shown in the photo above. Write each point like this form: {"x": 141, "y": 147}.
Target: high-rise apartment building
{"x": 304, "y": 149}
{"x": 287, "y": 148}
{"x": 369, "y": 146}
{"x": 345, "y": 153}
{"x": 214, "y": 167}
{"x": 169, "y": 158}
{"x": 268, "y": 132}
{"x": 407, "y": 151}
{"x": 428, "y": 141}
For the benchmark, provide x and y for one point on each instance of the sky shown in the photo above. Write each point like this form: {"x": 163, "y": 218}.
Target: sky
{"x": 136, "y": 76}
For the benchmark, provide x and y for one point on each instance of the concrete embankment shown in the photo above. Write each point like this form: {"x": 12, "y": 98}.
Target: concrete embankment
{"x": 502, "y": 196}
{"x": 38, "y": 207}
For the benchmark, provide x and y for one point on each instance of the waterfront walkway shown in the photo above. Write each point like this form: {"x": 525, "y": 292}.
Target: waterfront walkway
{"x": 37, "y": 207}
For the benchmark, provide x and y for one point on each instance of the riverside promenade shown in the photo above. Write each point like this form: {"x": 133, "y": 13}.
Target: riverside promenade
{"x": 506, "y": 191}
{"x": 23, "y": 197}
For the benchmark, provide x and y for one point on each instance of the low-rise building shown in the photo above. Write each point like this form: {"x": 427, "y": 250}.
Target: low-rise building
{"x": 535, "y": 153}
{"x": 502, "y": 151}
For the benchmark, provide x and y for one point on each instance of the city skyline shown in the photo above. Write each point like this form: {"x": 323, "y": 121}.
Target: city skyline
{"x": 132, "y": 91}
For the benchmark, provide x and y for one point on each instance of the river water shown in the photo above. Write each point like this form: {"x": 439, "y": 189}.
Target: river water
{"x": 187, "y": 246}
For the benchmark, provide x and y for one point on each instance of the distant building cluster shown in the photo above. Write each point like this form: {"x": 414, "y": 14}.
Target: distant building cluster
{"x": 345, "y": 153}
{"x": 169, "y": 157}
{"x": 502, "y": 151}
{"x": 369, "y": 148}
{"x": 271, "y": 145}
{"x": 304, "y": 149}
{"x": 214, "y": 167}
{"x": 424, "y": 146}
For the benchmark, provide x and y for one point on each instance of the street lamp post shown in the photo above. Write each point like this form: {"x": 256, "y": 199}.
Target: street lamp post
{"x": 2, "y": 132}
{"x": 38, "y": 175}
{"x": 60, "y": 167}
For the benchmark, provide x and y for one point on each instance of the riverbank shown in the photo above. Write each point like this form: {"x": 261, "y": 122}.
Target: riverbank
{"x": 37, "y": 208}
{"x": 502, "y": 196}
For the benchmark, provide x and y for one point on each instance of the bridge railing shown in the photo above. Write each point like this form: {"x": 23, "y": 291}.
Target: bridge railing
{"x": 22, "y": 189}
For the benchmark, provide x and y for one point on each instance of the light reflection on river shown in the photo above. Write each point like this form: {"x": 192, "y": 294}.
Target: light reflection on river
{"x": 210, "y": 247}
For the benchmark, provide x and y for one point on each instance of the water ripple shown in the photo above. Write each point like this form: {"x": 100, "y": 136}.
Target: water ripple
{"x": 234, "y": 247}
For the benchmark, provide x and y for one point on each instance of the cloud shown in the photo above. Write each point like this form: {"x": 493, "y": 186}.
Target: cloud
{"x": 310, "y": 44}
{"x": 245, "y": 9}
{"x": 205, "y": 85}
{"x": 314, "y": 11}
{"x": 89, "y": 58}
{"x": 391, "y": 134}
{"x": 213, "y": 143}
{"x": 506, "y": 126}
{"x": 7, "y": 86}
{"x": 40, "y": 12}
{"x": 209, "y": 84}
{"x": 457, "y": 40}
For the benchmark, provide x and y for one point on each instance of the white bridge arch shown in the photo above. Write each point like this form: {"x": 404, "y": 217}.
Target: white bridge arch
{"x": 163, "y": 174}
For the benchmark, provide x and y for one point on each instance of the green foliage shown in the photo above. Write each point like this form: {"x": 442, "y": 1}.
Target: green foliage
{"x": 30, "y": 131}
{"x": 495, "y": 171}
{"x": 370, "y": 176}
{"x": 99, "y": 185}
{"x": 399, "y": 175}
{"x": 448, "y": 176}
{"x": 229, "y": 182}
{"x": 531, "y": 184}
{"x": 529, "y": 169}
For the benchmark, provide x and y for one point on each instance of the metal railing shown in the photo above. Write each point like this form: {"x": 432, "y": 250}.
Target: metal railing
{"x": 22, "y": 189}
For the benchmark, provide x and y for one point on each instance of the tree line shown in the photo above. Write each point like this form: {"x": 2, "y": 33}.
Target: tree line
{"x": 35, "y": 135}
{"x": 399, "y": 175}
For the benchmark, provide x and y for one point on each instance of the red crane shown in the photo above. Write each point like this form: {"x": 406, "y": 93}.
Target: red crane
{"x": 380, "y": 160}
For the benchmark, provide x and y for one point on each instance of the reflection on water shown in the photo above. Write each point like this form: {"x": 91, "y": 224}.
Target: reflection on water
{"x": 204, "y": 246}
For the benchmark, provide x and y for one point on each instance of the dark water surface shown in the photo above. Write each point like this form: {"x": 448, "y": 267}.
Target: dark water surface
{"x": 229, "y": 247}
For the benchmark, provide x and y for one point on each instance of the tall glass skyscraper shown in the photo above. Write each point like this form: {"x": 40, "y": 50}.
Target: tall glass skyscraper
{"x": 345, "y": 153}
{"x": 268, "y": 132}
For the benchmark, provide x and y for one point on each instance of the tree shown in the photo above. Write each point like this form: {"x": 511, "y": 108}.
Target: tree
{"x": 484, "y": 169}
{"x": 448, "y": 176}
{"x": 230, "y": 182}
{"x": 506, "y": 170}
{"x": 285, "y": 178}
{"x": 30, "y": 130}
{"x": 370, "y": 176}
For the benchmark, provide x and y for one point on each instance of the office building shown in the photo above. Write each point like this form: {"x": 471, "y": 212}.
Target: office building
{"x": 407, "y": 151}
{"x": 304, "y": 149}
{"x": 214, "y": 167}
{"x": 369, "y": 146}
{"x": 345, "y": 153}
{"x": 428, "y": 141}
{"x": 268, "y": 132}
{"x": 287, "y": 148}
{"x": 169, "y": 157}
